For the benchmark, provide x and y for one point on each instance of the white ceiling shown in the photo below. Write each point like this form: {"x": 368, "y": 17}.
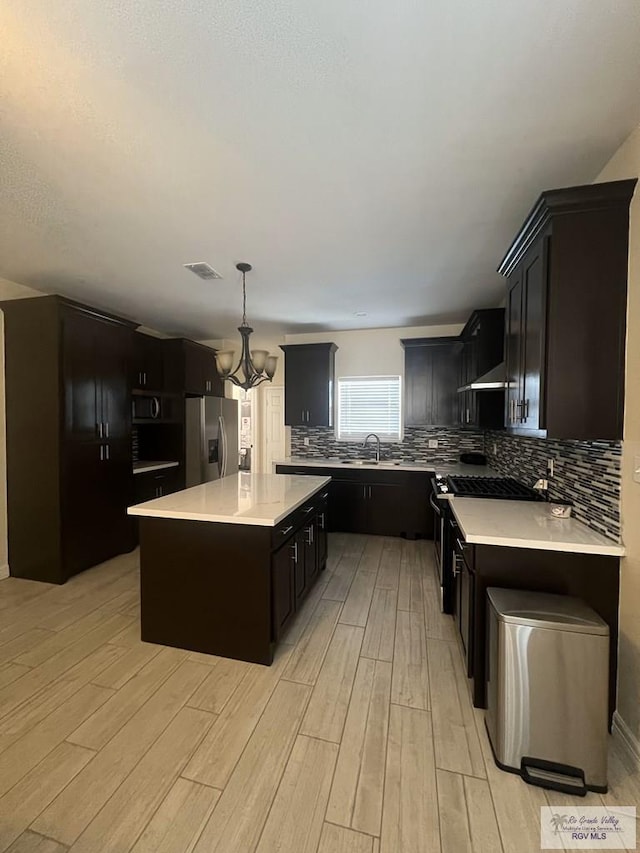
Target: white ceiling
{"x": 363, "y": 155}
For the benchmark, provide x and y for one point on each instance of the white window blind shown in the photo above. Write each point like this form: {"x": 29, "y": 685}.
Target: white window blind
{"x": 369, "y": 404}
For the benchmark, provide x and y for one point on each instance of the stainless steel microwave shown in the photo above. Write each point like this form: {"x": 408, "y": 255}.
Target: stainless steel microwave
{"x": 146, "y": 408}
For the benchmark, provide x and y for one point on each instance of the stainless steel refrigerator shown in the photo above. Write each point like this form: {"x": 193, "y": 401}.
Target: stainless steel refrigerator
{"x": 211, "y": 435}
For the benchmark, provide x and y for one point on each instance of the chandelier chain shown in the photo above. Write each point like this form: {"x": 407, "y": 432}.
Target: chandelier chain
{"x": 244, "y": 300}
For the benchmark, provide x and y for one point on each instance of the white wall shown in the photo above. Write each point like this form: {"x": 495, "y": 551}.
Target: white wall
{"x": 625, "y": 163}
{"x": 373, "y": 352}
{"x": 8, "y": 290}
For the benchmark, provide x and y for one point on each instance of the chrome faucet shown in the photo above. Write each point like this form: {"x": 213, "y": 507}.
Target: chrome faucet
{"x": 377, "y": 438}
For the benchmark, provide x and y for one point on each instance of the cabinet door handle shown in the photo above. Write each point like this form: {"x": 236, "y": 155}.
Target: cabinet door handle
{"x": 286, "y": 530}
{"x": 364, "y": 492}
{"x": 308, "y": 509}
{"x": 102, "y": 452}
{"x": 310, "y": 535}
{"x": 99, "y": 429}
{"x": 321, "y": 517}
{"x": 295, "y": 552}
{"x": 144, "y": 378}
{"x": 525, "y": 410}
{"x": 106, "y": 452}
{"x": 369, "y": 492}
{"x": 106, "y": 430}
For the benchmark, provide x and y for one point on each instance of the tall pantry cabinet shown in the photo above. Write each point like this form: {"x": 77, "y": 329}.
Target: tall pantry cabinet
{"x": 69, "y": 469}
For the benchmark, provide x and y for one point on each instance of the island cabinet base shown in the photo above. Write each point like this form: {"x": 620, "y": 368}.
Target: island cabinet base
{"x": 228, "y": 589}
{"x": 593, "y": 578}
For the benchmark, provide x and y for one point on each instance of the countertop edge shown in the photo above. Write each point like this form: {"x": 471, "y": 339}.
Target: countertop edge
{"x": 177, "y": 515}
{"x": 153, "y": 466}
{"x": 603, "y": 550}
{"x": 534, "y": 545}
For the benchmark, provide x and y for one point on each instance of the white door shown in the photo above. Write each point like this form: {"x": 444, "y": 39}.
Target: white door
{"x": 273, "y": 432}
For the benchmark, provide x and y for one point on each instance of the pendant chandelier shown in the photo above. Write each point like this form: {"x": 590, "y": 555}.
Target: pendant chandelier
{"x": 255, "y": 366}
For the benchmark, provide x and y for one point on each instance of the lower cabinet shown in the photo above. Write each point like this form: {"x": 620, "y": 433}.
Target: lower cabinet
{"x": 283, "y": 588}
{"x": 463, "y": 594}
{"x": 156, "y": 484}
{"x": 379, "y": 502}
{"x": 592, "y": 577}
{"x": 296, "y": 564}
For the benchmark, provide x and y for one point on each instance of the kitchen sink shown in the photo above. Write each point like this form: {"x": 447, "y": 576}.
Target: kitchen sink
{"x": 384, "y": 463}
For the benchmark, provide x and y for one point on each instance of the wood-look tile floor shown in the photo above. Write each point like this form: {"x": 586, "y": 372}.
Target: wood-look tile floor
{"x": 360, "y": 738}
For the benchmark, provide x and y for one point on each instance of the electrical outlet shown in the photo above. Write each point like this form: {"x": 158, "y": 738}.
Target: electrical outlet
{"x": 433, "y": 443}
{"x": 636, "y": 469}
{"x": 305, "y": 441}
{"x": 550, "y": 467}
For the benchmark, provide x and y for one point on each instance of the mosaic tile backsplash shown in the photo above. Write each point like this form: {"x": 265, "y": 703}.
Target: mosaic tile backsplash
{"x": 587, "y": 473}
{"x": 414, "y": 447}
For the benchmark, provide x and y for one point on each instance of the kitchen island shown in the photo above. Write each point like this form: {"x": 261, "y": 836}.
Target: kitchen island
{"x": 225, "y": 565}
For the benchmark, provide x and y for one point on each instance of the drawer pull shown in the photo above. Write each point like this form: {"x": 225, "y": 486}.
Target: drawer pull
{"x": 286, "y": 530}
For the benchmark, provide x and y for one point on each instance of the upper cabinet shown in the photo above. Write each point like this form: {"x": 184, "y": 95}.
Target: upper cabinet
{"x": 190, "y": 368}
{"x": 148, "y": 363}
{"x": 309, "y": 373}
{"x": 483, "y": 349}
{"x": 431, "y": 376}
{"x": 566, "y": 314}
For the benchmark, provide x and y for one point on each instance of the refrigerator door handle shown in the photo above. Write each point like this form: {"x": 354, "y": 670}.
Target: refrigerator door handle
{"x": 222, "y": 454}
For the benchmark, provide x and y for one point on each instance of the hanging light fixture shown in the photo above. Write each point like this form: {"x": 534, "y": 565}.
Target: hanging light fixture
{"x": 255, "y": 366}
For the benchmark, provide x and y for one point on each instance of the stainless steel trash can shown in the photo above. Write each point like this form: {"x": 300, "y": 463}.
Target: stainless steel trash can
{"x": 547, "y": 689}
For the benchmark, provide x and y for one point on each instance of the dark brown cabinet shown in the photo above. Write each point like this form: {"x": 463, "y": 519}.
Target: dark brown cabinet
{"x": 69, "y": 467}
{"x": 296, "y": 564}
{"x": 347, "y": 506}
{"x": 156, "y": 484}
{"x": 482, "y": 350}
{"x": 148, "y": 363}
{"x": 431, "y": 375}
{"x": 463, "y": 592}
{"x": 309, "y": 375}
{"x": 283, "y": 588}
{"x": 190, "y": 369}
{"x": 381, "y": 502}
{"x": 525, "y": 339}
{"x": 566, "y": 314}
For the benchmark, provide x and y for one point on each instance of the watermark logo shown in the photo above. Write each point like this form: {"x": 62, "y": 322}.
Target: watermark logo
{"x": 587, "y": 828}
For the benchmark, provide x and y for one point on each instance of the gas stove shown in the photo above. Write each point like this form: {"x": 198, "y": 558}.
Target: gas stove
{"x": 504, "y": 488}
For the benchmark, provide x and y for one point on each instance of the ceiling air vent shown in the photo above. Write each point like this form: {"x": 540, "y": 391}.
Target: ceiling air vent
{"x": 203, "y": 270}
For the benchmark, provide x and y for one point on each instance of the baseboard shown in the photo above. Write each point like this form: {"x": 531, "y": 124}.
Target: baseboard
{"x": 629, "y": 741}
{"x": 4, "y": 571}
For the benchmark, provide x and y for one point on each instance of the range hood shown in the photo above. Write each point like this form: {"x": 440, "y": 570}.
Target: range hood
{"x": 494, "y": 380}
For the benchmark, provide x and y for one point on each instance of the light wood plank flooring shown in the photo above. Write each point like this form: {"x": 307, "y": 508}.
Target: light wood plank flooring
{"x": 360, "y": 738}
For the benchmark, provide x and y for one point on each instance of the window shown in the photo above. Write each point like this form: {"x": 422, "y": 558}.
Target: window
{"x": 369, "y": 404}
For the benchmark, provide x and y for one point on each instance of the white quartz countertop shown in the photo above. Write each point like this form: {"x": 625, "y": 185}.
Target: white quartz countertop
{"x": 144, "y": 467}
{"x": 527, "y": 524}
{"x": 385, "y": 465}
{"x": 244, "y": 498}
